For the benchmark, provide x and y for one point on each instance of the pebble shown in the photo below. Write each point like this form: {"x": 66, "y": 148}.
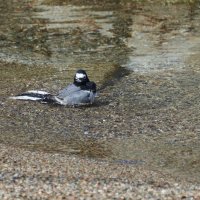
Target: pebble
{"x": 58, "y": 176}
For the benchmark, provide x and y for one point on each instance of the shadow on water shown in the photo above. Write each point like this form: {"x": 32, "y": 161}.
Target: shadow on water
{"x": 77, "y": 146}
{"x": 145, "y": 60}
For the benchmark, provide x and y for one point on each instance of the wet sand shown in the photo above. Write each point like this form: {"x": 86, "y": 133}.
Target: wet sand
{"x": 37, "y": 175}
{"x": 140, "y": 140}
{"x": 144, "y": 150}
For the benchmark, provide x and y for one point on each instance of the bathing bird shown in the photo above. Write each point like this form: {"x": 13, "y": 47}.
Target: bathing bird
{"x": 81, "y": 92}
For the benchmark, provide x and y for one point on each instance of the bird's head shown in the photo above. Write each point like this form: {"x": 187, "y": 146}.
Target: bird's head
{"x": 81, "y": 77}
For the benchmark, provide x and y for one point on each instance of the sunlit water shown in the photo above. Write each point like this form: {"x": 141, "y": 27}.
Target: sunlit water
{"x": 44, "y": 42}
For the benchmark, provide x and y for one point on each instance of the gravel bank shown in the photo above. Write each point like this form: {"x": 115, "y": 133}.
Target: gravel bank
{"x": 37, "y": 175}
{"x": 147, "y": 108}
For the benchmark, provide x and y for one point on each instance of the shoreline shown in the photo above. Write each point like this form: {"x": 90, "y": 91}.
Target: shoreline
{"x": 30, "y": 174}
{"x": 37, "y": 175}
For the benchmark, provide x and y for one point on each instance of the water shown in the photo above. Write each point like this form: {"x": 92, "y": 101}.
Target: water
{"x": 145, "y": 60}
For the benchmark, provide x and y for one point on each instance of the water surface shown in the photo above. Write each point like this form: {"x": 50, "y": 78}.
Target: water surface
{"x": 145, "y": 60}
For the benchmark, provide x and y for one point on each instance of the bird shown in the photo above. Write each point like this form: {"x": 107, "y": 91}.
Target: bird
{"x": 81, "y": 92}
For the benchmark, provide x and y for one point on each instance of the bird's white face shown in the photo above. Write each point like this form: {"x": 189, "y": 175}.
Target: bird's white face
{"x": 80, "y": 77}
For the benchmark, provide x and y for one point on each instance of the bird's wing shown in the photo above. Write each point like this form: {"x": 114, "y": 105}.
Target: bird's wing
{"x": 79, "y": 97}
{"x": 69, "y": 90}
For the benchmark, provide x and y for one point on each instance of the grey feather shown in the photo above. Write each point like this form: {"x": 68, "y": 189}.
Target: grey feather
{"x": 73, "y": 95}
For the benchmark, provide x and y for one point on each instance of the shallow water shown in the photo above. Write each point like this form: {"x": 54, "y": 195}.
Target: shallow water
{"x": 145, "y": 60}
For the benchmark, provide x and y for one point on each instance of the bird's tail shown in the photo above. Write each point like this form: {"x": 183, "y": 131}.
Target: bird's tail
{"x": 37, "y": 95}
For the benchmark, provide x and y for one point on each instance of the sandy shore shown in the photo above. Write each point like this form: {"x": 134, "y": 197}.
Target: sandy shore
{"x": 37, "y": 175}
{"x": 34, "y": 167}
{"x": 140, "y": 140}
